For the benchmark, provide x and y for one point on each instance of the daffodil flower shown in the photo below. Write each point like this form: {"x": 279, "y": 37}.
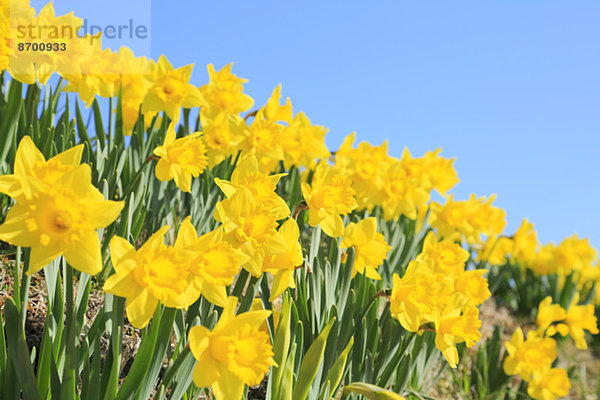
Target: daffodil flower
{"x": 235, "y": 353}
{"x": 155, "y": 272}
{"x": 329, "y": 196}
{"x": 180, "y": 159}
{"x": 61, "y": 219}
{"x": 369, "y": 245}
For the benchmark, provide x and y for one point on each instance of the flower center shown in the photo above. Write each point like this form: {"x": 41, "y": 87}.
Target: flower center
{"x": 62, "y": 221}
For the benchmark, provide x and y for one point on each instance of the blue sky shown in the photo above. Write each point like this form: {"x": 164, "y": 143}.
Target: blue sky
{"x": 511, "y": 89}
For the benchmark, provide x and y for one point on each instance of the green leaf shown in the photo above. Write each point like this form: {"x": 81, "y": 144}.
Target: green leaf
{"x": 18, "y": 351}
{"x": 335, "y": 374}
{"x": 311, "y": 363}
{"x": 142, "y": 360}
{"x": 371, "y": 392}
{"x": 281, "y": 346}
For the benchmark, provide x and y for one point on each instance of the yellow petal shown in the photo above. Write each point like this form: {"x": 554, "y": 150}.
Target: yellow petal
{"x": 228, "y": 312}
{"x": 103, "y": 212}
{"x": 70, "y": 157}
{"x": 163, "y": 170}
{"x": 157, "y": 239}
{"x": 217, "y": 295}
{"x": 10, "y": 185}
{"x": 191, "y": 294}
{"x": 14, "y": 230}
{"x": 228, "y": 387}
{"x": 199, "y": 340}
{"x": 120, "y": 249}
{"x": 226, "y": 187}
{"x": 140, "y": 309}
{"x": 183, "y": 178}
{"x": 254, "y": 318}
{"x": 171, "y": 135}
{"x": 187, "y": 234}
{"x": 122, "y": 285}
{"x": 332, "y": 225}
{"x": 206, "y": 371}
{"x": 276, "y": 245}
{"x": 41, "y": 256}
{"x": 194, "y": 98}
{"x": 80, "y": 180}
{"x": 26, "y": 157}
{"x": 84, "y": 254}
{"x": 281, "y": 281}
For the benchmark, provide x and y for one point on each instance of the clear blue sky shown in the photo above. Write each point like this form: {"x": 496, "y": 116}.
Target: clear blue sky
{"x": 509, "y": 88}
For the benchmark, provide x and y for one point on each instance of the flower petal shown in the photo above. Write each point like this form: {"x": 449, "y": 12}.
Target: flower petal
{"x": 122, "y": 285}
{"x": 42, "y": 256}
{"x": 140, "y": 309}
{"x": 228, "y": 387}
{"x": 27, "y": 155}
{"x": 215, "y": 294}
{"x": 102, "y": 213}
{"x": 163, "y": 170}
{"x": 84, "y": 254}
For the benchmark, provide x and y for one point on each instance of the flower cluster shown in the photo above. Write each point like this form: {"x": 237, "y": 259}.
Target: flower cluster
{"x": 472, "y": 218}
{"x": 58, "y": 211}
{"x": 400, "y": 187}
{"x": 532, "y": 360}
{"x": 437, "y": 293}
{"x": 573, "y": 256}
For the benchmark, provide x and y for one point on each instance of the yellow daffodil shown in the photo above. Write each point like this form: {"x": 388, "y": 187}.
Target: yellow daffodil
{"x": 155, "y": 272}
{"x": 574, "y": 254}
{"x": 282, "y": 266}
{"x": 214, "y": 265}
{"x": 235, "y": 353}
{"x": 526, "y": 357}
{"x": 448, "y": 257}
{"x": 525, "y": 243}
{"x": 30, "y": 163}
{"x": 549, "y": 384}
{"x": 96, "y": 71}
{"x": 552, "y": 318}
{"x": 28, "y": 66}
{"x": 224, "y": 91}
{"x": 251, "y": 227}
{"x": 180, "y": 159}
{"x": 453, "y": 327}
{"x": 135, "y": 75}
{"x": 580, "y": 318}
{"x": 274, "y": 111}
{"x": 329, "y": 195}
{"x": 431, "y": 171}
{"x": 366, "y": 166}
{"x": 247, "y": 175}
{"x": 223, "y": 134}
{"x": 402, "y": 195}
{"x": 547, "y": 315}
{"x": 171, "y": 90}
{"x": 61, "y": 219}
{"x": 263, "y": 136}
{"x": 544, "y": 261}
{"x": 369, "y": 245}
{"x": 472, "y": 286}
{"x": 471, "y": 218}
{"x": 415, "y": 296}
{"x": 496, "y": 250}
{"x": 303, "y": 143}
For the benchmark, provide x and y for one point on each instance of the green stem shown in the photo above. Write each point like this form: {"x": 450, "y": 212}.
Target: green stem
{"x": 172, "y": 370}
{"x": 16, "y": 279}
